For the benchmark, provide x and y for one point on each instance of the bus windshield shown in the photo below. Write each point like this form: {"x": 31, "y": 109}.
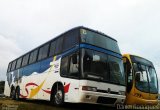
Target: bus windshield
{"x": 152, "y": 80}
{"x": 99, "y": 40}
{"x": 102, "y": 67}
{"x": 146, "y": 79}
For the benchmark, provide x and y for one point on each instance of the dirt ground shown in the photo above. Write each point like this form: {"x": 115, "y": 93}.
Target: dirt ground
{"x": 8, "y": 104}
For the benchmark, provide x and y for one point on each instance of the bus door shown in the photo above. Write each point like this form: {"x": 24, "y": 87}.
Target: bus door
{"x": 129, "y": 74}
{"x": 70, "y": 73}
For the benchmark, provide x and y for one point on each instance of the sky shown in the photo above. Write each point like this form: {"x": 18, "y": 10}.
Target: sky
{"x": 25, "y": 24}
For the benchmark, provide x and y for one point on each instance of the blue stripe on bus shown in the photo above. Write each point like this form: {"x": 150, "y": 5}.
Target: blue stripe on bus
{"x": 93, "y": 48}
{"x": 43, "y": 65}
{"x": 100, "y": 49}
{"x": 38, "y": 67}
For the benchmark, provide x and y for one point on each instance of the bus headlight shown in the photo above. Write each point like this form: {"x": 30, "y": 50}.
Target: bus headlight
{"x": 121, "y": 92}
{"x": 88, "y": 88}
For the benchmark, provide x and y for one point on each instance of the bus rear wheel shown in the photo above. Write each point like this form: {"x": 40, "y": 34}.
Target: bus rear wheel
{"x": 58, "y": 96}
{"x": 12, "y": 94}
{"x": 17, "y": 93}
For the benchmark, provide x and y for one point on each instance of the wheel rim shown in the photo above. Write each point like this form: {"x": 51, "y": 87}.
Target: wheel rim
{"x": 58, "y": 97}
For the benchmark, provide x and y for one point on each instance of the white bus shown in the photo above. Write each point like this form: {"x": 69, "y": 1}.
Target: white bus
{"x": 79, "y": 66}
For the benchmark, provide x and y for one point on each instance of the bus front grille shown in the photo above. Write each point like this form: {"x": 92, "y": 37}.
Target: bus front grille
{"x": 105, "y": 91}
{"x": 106, "y": 100}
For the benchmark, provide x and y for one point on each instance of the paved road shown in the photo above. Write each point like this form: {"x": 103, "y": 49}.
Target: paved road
{"x": 44, "y": 105}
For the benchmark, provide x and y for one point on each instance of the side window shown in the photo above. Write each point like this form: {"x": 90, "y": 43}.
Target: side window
{"x": 13, "y": 65}
{"x": 70, "y": 66}
{"x": 43, "y": 52}
{"x": 25, "y": 60}
{"x": 59, "y": 45}
{"x": 18, "y": 63}
{"x": 52, "y": 48}
{"x": 74, "y": 66}
{"x": 9, "y": 67}
{"x": 33, "y": 56}
{"x": 70, "y": 40}
{"x": 64, "y": 66}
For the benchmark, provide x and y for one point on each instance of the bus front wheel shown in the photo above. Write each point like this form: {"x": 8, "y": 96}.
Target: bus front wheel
{"x": 58, "y": 96}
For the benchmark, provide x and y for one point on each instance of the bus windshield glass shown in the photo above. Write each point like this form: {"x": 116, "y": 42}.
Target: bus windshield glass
{"x": 146, "y": 78}
{"x": 99, "y": 40}
{"x": 152, "y": 80}
{"x": 102, "y": 67}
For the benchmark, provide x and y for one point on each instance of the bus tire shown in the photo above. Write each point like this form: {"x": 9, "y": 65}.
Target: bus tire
{"x": 58, "y": 96}
{"x": 12, "y": 94}
{"x": 17, "y": 93}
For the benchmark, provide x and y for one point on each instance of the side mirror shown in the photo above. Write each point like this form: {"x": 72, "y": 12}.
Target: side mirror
{"x": 74, "y": 59}
{"x": 138, "y": 76}
{"x": 124, "y": 60}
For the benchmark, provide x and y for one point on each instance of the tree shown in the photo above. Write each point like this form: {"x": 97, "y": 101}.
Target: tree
{"x": 2, "y": 87}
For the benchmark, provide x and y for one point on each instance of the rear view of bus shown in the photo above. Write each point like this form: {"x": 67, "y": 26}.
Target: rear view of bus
{"x": 142, "y": 83}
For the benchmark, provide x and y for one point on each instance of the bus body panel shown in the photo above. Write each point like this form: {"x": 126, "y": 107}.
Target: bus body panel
{"x": 36, "y": 79}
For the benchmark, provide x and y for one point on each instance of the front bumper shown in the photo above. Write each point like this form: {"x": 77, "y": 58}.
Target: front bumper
{"x": 131, "y": 100}
{"x": 100, "y": 98}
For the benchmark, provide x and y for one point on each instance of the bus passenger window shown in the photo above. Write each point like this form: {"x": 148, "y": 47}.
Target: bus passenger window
{"x": 64, "y": 66}
{"x": 70, "y": 39}
{"x": 59, "y": 43}
{"x": 52, "y": 48}
{"x": 25, "y": 60}
{"x": 18, "y": 63}
{"x": 43, "y": 52}
{"x": 9, "y": 67}
{"x": 13, "y": 65}
{"x": 33, "y": 56}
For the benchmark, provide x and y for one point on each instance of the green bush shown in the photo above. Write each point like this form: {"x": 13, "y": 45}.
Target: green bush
{"x": 1, "y": 87}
